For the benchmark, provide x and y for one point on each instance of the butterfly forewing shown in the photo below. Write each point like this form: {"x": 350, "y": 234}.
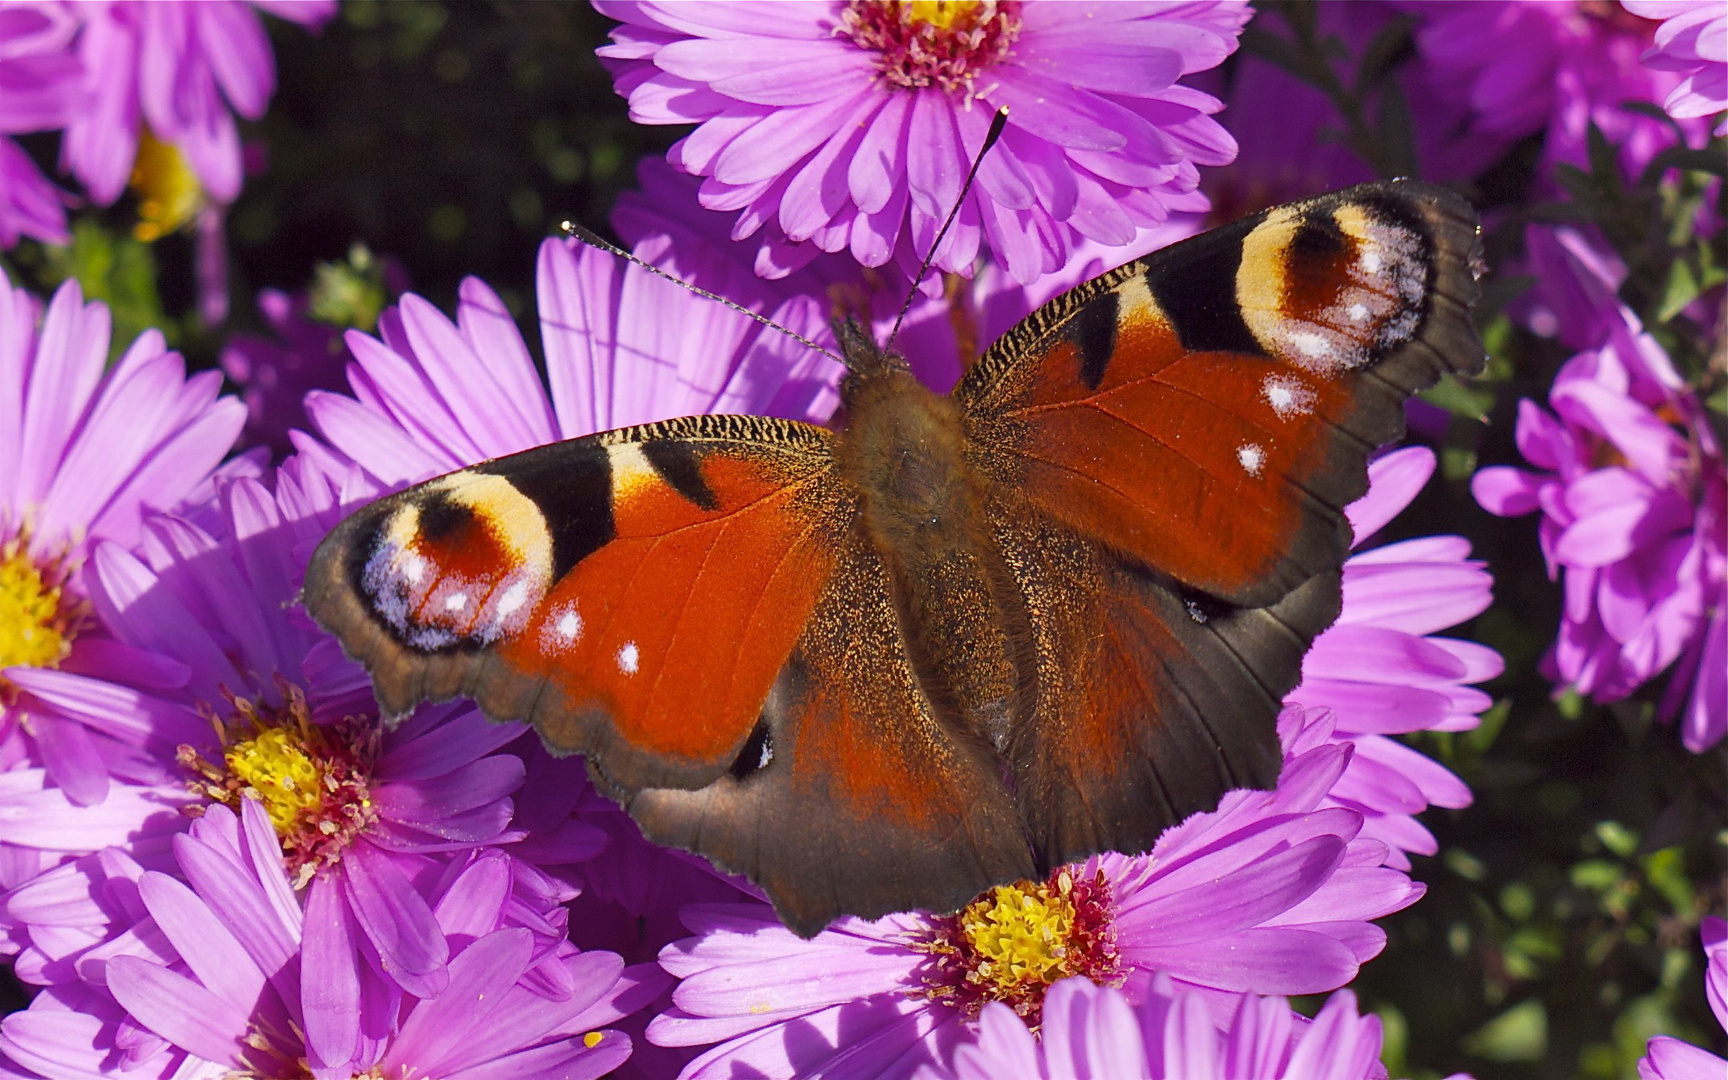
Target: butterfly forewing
{"x": 1209, "y": 409}
{"x": 598, "y": 587}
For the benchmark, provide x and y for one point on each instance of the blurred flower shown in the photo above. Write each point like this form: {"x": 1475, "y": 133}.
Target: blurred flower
{"x": 40, "y": 89}
{"x": 219, "y": 975}
{"x": 84, "y": 454}
{"x": 1634, "y": 501}
{"x": 1092, "y": 1030}
{"x": 1671, "y": 1059}
{"x": 1553, "y": 68}
{"x": 1693, "y": 41}
{"x": 1270, "y": 893}
{"x": 852, "y": 126}
{"x": 180, "y": 69}
{"x": 1381, "y": 669}
{"x": 275, "y": 374}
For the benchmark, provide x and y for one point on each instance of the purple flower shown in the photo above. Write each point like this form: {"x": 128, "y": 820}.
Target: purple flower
{"x": 1269, "y": 893}
{"x": 1634, "y": 501}
{"x": 367, "y": 820}
{"x": 182, "y": 69}
{"x": 275, "y": 375}
{"x": 850, "y": 126}
{"x": 1693, "y": 41}
{"x": 426, "y": 403}
{"x": 218, "y": 973}
{"x": 1669, "y": 1058}
{"x": 1556, "y": 68}
{"x": 84, "y": 454}
{"x": 40, "y": 88}
{"x": 1381, "y": 670}
{"x": 1095, "y": 1031}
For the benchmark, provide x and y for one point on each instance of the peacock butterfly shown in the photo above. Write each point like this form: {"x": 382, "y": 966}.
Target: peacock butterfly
{"x": 964, "y": 638}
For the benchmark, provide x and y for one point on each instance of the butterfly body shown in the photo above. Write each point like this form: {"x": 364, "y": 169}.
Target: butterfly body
{"x": 965, "y": 637}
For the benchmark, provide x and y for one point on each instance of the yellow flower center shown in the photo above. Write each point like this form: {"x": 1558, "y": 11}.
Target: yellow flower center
{"x": 169, "y": 194}
{"x": 1019, "y": 934}
{"x": 313, "y": 779}
{"x": 939, "y": 43}
{"x": 33, "y": 632}
{"x": 283, "y": 775}
{"x": 942, "y": 14}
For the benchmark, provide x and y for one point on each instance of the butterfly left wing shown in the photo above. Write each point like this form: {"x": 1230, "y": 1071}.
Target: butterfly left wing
{"x": 595, "y": 587}
{"x": 694, "y": 607}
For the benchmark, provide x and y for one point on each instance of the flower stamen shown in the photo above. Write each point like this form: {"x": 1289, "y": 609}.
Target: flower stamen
{"x": 39, "y": 618}
{"x": 940, "y": 43}
{"x": 313, "y": 779}
{"x": 1013, "y": 942}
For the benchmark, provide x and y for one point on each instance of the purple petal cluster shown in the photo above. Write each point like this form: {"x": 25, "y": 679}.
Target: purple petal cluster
{"x": 1092, "y": 1030}
{"x": 1693, "y": 43}
{"x": 40, "y": 90}
{"x": 86, "y": 452}
{"x": 182, "y": 71}
{"x": 834, "y": 127}
{"x": 1550, "y": 68}
{"x": 1630, "y": 482}
{"x": 1382, "y": 670}
{"x": 1670, "y": 1058}
{"x": 1271, "y": 893}
{"x": 218, "y": 973}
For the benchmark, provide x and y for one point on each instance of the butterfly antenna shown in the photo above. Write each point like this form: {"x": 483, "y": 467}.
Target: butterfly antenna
{"x": 592, "y": 239}
{"x": 997, "y": 123}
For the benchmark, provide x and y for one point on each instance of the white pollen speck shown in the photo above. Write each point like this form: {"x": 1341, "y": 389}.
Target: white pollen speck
{"x": 570, "y": 626}
{"x": 628, "y": 658}
{"x": 456, "y": 601}
{"x": 1357, "y": 312}
{"x": 512, "y": 600}
{"x": 1252, "y": 458}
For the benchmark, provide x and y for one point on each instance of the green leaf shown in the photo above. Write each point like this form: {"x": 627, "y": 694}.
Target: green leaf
{"x": 118, "y": 270}
{"x": 1470, "y": 402}
{"x": 1518, "y": 1034}
{"x": 1681, "y": 288}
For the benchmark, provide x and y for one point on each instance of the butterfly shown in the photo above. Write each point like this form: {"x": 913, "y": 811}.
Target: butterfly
{"x": 960, "y": 639}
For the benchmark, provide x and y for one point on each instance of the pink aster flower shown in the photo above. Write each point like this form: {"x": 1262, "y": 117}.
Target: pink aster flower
{"x": 182, "y": 69}
{"x": 1555, "y": 68}
{"x": 1270, "y": 893}
{"x": 1634, "y": 499}
{"x": 217, "y": 974}
{"x": 1692, "y": 41}
{"x": 40, "y": 89}
{"x": 1381, "y": 670}
{"x": 367, "y": 820}
{"x": 1092, "y": 1030}
{"x": 1669, "y": 1058}
{"x": 85, "y": 452}
{"x": 850, "y": 126}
